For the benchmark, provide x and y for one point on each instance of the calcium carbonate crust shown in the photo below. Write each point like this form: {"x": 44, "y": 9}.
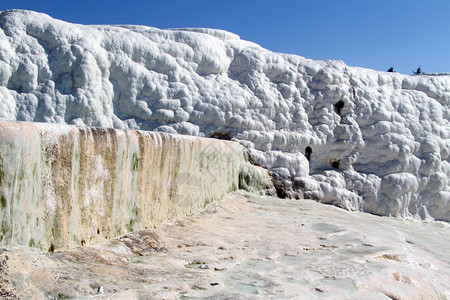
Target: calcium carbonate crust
{"x": 360, "y": 139}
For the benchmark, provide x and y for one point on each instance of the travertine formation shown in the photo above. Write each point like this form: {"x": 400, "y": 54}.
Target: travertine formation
{"x": 64, "y": 186}
{"x": 363, "y": 140}
{"x": 246, "y": 247}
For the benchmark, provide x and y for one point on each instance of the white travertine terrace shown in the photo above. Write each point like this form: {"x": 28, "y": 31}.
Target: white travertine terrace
{"x": 63, "y": 186}
{"x": 376, "y": 141}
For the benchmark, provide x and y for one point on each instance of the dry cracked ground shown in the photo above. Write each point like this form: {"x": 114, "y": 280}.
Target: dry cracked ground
{"x": 246, "y": 247}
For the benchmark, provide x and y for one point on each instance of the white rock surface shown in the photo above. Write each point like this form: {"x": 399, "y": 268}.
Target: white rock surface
{"x": 246, "y": 247}
{"x": 386, "y": 134}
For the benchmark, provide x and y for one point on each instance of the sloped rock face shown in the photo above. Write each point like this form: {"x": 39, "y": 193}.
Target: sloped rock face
{"x": 63, "y": 186}
{"x": 356, "y": 138}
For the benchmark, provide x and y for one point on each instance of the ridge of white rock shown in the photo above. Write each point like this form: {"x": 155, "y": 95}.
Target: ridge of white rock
{"x": 62, "y": 186}
{"x": 360, "y": 139}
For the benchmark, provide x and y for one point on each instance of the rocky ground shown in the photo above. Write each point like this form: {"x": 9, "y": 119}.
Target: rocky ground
{"x": 246, "y": 247}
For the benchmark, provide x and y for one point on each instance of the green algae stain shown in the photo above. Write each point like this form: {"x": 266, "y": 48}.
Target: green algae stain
{"x": 2, "y": 202}
{"x": 21, "y": 174}
{"x": 133, "y": 220}
{"x": 130, "y": 225}
{"x": 2, "y": 172}
{"x": 134, "y": 161}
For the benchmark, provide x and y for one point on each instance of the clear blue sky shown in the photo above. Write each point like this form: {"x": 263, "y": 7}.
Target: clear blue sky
{"x": 375, "y": 34}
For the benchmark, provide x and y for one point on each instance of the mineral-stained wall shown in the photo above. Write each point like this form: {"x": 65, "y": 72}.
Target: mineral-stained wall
{"x": 63, "y": 186}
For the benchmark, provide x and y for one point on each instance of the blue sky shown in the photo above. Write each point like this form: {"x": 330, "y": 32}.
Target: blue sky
{"x": 374, "y": 34}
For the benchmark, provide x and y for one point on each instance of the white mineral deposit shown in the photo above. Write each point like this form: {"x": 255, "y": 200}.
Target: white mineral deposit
{"x": 108, "y": 199}
{"x": 247, "y": 247}
{"x": 379, "y": 141}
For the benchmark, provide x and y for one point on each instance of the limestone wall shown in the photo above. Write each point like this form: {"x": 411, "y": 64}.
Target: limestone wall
{"x": 64, "y": 186}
